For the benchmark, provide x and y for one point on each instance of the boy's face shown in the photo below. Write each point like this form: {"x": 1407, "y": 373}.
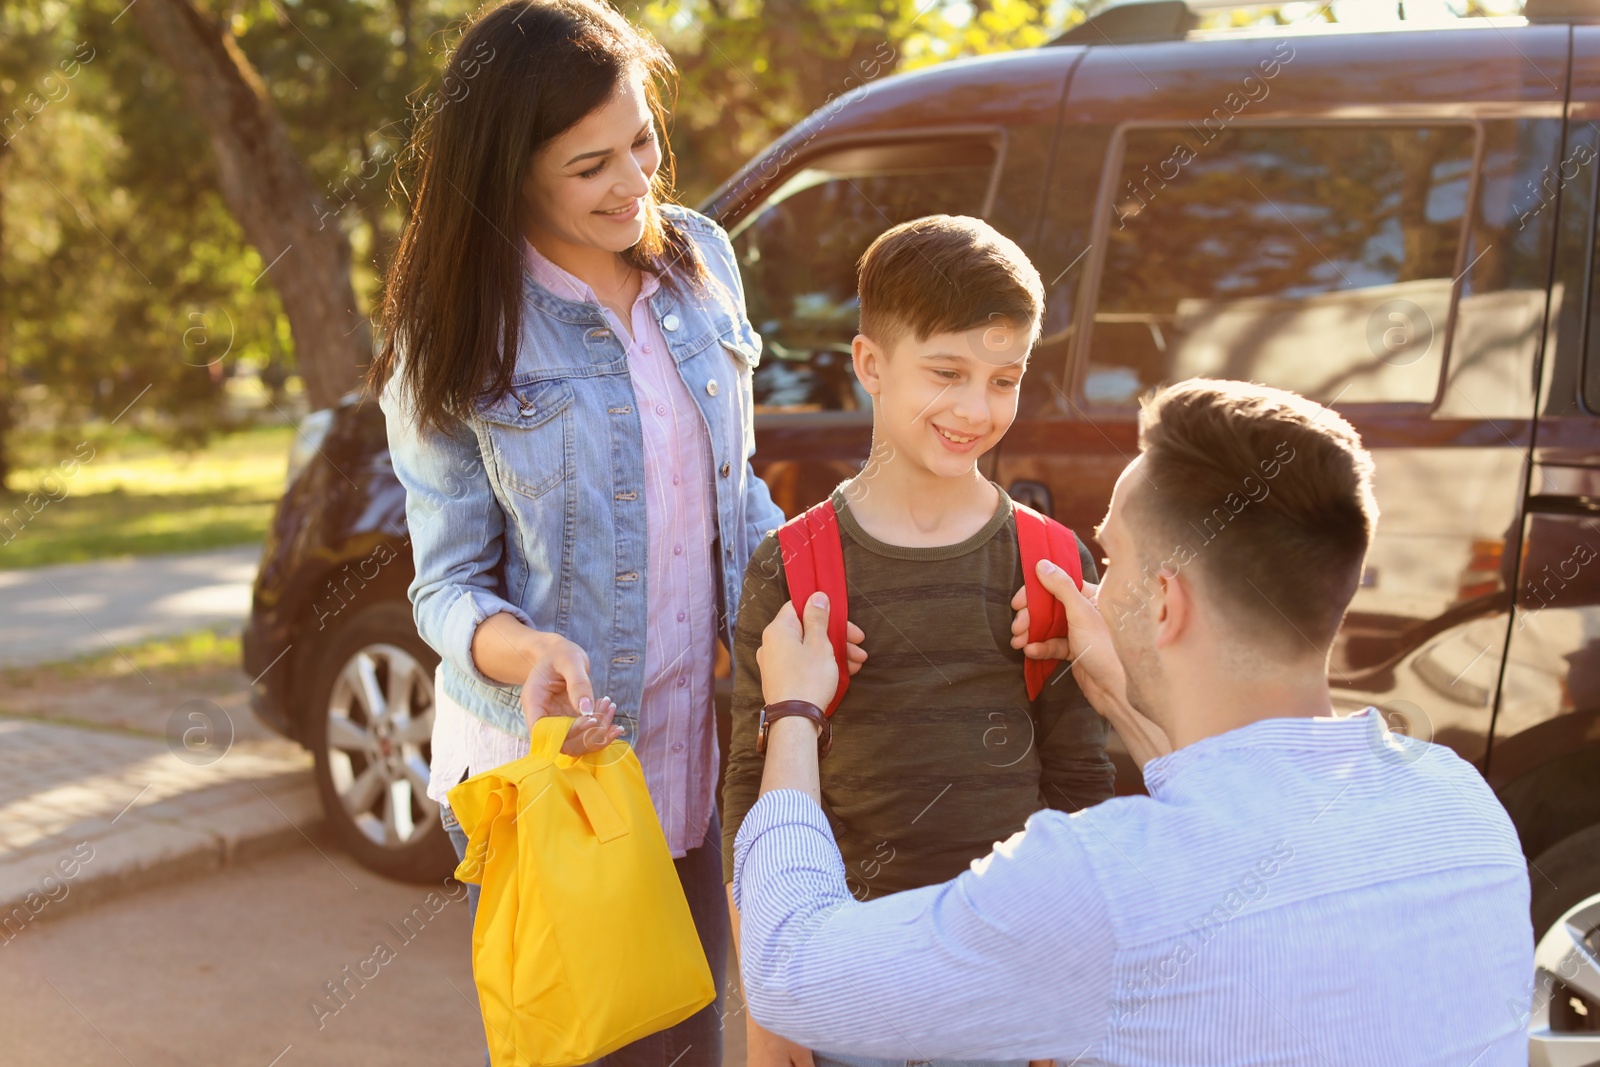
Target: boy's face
{"x": 943, "y": 402}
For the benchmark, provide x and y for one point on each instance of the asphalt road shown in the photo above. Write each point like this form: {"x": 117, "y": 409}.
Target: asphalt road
{"x": 225, "y": 970}
{"x": 228, "y": 970}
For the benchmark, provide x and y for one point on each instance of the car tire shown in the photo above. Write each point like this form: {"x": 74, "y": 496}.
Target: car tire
{"x": 369, "y": 727}
{"x": 1564, "y": 1025}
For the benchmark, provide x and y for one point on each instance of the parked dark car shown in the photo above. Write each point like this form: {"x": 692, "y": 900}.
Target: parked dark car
{"x": 1399, "y": 223}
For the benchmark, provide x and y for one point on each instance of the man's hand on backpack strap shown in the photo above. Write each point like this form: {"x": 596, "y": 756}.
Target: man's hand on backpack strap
{"x": 1095, "y": 666}
{"x": 797, "y": 661}
{"x": 854, "y": 654}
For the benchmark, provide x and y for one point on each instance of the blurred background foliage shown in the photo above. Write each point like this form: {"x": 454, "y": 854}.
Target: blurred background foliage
{"x": 128, "y": 292}
{"x": 125, "y": 280}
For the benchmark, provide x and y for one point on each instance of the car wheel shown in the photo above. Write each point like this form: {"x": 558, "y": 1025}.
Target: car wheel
{"x": 369, "y": 730}
{"x": 1564, "y": 1027}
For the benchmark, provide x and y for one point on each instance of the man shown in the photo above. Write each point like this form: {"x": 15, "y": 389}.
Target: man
{"x": 1297, "y": 887}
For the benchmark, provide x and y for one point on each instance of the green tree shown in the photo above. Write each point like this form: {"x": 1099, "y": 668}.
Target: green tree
{"x": 142, "y": 209}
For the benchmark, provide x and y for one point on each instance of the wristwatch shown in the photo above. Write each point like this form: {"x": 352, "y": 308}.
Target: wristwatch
{"x": 773, "y": 712}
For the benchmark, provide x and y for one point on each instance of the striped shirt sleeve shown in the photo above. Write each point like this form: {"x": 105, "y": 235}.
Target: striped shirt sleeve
{"x": 1012, "y": 959}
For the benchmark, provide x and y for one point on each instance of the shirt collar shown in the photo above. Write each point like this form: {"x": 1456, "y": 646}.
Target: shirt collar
{"x": 565, "y": 284}
{"x": 1363, "y": 731}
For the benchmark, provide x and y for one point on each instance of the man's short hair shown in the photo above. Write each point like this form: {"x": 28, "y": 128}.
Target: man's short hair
{"x": 1267, "y": 494}
{"x": 946, "y": 274}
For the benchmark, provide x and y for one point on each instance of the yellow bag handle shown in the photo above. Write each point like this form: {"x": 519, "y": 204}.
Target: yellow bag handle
{"x": 545, "y": 741}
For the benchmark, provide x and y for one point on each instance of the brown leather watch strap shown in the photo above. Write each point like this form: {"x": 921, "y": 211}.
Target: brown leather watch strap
{"x": 773, "y": 712}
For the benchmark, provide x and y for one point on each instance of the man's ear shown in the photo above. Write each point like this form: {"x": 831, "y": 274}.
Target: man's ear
{"x": 867, "y": 359}
{"x": 1173, "y": 611}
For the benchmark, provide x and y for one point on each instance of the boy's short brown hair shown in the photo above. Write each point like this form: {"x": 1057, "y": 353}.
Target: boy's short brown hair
{"x": 1267, "y": 493}
{"x": 945, "y": 274}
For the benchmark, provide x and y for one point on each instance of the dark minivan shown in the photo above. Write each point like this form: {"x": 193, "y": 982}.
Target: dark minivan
{"x": 1399, "y": 223}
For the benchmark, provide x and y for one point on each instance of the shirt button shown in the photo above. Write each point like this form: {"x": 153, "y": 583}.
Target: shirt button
{"x": 661, "y": 409}
{"x": 711, "y": 387}
{"x": 725, "y": 469}
{"x": 682, "y": 681}
{"x": 677, "y": 746}
{"x": 646, "y": 349}
{"x": 669, "y": 323}
{"x": 681, "y": 616}
{"x": 676, "y": 479}
{"x": 677, "y": 550}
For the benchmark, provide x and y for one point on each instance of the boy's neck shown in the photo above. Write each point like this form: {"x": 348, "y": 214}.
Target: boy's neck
{"x": 911, "y": 507}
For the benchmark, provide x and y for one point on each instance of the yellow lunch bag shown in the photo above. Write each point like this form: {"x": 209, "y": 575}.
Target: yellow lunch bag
{"x": 583, "y": 940}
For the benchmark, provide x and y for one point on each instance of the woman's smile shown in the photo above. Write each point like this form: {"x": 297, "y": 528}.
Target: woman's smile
{"x": 627, "y": 211}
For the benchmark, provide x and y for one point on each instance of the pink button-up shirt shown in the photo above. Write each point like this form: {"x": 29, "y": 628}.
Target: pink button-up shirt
{"x": 676, "y": 738}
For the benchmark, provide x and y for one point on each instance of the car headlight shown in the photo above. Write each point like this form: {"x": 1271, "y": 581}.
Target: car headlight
{"x": 308, "y": 438}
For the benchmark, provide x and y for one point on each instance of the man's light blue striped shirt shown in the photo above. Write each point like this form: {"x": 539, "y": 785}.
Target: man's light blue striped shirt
{"x": 1295, "y": 891}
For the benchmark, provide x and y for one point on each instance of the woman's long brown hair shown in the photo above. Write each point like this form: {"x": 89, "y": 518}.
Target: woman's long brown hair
{"x": 524, "y": 72}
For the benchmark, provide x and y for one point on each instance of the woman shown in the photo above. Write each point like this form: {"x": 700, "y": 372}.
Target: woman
{"x": 566, "y": 379}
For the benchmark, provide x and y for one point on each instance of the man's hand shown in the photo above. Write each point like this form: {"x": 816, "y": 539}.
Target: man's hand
{"x": 854, "y": 654}
{"x": 1095, "y": 666}
{"x": 796, "y": 663}
{"x": 763, "y": 1048}
{"x": 1088, "y": 640}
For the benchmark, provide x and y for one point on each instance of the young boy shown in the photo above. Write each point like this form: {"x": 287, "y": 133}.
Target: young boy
{"x": 937, "y": 751}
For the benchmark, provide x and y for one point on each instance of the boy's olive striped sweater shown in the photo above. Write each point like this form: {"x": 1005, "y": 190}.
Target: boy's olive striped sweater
{"x": 937, "y": 751}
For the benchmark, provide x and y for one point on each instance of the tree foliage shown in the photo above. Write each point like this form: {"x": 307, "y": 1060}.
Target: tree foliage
{"x": 129, "y": 291}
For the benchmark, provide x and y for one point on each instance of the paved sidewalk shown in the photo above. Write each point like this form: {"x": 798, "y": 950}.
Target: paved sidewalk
{"x": 88, "y": 813}
{"x": 69, "y": 609}
{"x": 98, "y": 791}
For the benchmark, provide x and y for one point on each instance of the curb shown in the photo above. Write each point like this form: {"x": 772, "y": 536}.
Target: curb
{"x": 182, "y": 836}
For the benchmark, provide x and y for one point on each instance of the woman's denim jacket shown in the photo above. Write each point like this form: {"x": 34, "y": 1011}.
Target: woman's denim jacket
{"x": 535, "y": 505}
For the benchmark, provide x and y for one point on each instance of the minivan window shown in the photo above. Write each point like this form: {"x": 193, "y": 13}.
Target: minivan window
{"x": 1318, "y": 258}
{"x": 797, "y": 255}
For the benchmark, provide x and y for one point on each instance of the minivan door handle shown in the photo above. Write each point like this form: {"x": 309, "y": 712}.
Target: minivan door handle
{"x": 1035, "y": 495}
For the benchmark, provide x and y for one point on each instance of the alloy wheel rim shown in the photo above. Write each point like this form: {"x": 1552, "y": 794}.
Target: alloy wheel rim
{"x": 1564, "y": 1025}
{"x": 380, "y": 722}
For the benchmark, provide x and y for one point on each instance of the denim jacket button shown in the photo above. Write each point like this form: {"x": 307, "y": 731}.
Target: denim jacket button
{"x": 669, "y": 323}
{"x": 711, "y": 387}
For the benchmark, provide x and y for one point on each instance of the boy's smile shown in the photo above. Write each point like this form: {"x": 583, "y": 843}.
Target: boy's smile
{"x": 954, "y": 442}
{"x": 944, "y": 401}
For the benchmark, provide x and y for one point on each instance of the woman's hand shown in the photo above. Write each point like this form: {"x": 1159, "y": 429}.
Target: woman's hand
{"x": 557, "y": 682}
{"x": 592, "y": 732}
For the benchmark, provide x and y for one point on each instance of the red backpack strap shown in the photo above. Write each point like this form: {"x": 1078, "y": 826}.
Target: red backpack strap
{"x": 1041, "y": 537}
{"x": 813, "y": 559}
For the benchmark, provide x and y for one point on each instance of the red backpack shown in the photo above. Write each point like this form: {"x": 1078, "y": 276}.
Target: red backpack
{"x": 813, "y": 558}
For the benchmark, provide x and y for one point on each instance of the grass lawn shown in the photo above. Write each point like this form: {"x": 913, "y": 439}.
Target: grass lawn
{"x": 138, "y": 497}
{"x": 142, "y": 688}
{"x": 203, "y": 649}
